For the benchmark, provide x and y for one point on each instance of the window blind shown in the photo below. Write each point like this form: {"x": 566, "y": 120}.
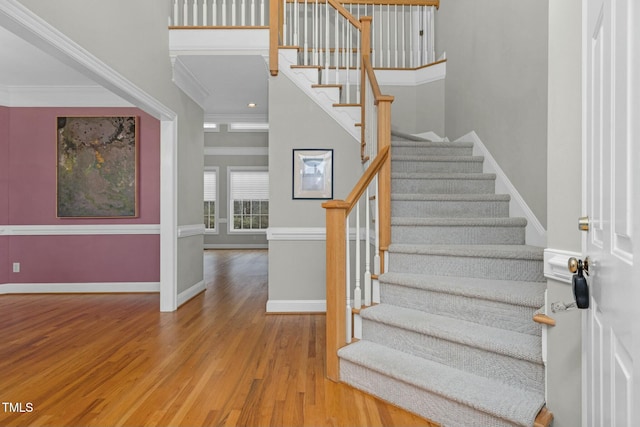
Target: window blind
{"x": 249, "y": 185}
{"x": 210, "y": 180}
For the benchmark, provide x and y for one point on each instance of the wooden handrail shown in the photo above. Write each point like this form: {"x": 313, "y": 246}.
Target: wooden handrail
{"x": 366, "y": 178}
{"x": 435, "y": 3}
{"x": 345, "y": 13}
{"x": 544, "y": 319}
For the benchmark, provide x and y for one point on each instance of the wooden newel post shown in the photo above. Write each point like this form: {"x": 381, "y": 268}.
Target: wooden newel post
{"x": 275, "y": 28}
{"x": 336, "y": 215}
{"x": 384, "y": 178}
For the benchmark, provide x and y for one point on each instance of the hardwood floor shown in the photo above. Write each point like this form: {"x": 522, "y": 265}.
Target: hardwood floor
{"x": 115, "y": 360}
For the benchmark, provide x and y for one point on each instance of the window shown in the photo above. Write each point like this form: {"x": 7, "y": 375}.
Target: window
{"x": 210, "y": 196}
{"x": 248, "y": 199}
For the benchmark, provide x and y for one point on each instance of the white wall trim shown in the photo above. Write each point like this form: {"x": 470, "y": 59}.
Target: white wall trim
{"x": 236, "y": 246}
{"x": 73, "y": 230}
{"x": 556, "y": 264}
{"x": 219, "y": 42}
{"x": 236, "y": 151}
{"x": 193, "y": 291}
{"x": 414, "y": 77}
{"x": 535, "y": 233}
{"x": 190, "y": 230}
{"x": 311, "y": 234}
{"x": 78, "y": 288}
{"x": 296, "y": 233}
{"x": 296, "y": 306}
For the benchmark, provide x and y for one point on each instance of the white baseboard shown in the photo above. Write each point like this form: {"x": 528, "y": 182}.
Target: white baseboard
{"x": 194, "y": 290}
{"x": 78, "y": 288}
{"x": 296, "y": 306}
{"x": 535, "y": 233}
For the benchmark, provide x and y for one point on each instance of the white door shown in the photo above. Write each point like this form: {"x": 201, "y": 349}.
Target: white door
{"x": 612, "y": 164}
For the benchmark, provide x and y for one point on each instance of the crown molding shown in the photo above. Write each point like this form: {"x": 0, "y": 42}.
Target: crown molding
{"x": 185, "y": 80}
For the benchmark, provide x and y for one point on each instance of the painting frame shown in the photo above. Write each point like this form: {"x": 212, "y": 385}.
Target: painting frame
{"x": 312, "y": 174}
{"x": 97, "y": 166}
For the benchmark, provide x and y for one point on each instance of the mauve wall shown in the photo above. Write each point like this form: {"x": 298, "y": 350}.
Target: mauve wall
{"x": 32, "y": 201}
{"x": 4, "y": 190}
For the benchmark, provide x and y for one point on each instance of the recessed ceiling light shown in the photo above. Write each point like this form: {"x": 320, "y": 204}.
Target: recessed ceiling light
{"x": 251, "y": 105}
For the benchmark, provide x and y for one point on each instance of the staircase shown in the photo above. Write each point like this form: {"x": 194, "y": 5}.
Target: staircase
{"x": 453, "y": 338}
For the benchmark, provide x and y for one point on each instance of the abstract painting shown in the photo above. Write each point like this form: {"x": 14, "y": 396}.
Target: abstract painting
{"x": 97, "y": 167}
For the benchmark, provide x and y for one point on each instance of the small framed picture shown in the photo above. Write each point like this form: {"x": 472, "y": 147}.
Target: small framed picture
{"x": 312, "y": 173}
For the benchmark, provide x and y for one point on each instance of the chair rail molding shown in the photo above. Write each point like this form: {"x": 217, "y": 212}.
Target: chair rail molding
{"x": 556, "y": 264}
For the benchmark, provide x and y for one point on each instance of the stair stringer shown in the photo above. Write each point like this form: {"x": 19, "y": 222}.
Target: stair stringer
{"x": 302, "y": 79}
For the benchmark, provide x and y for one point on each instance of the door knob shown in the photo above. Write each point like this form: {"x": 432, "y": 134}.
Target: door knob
{"x": 579, "y": 282}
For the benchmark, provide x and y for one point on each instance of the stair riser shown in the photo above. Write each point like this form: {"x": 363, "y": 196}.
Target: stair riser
{"x": 485, "y": 268}
{"x": 436, "y": 167}
{"x": 449, "y": 209}
{"x": 468, "y": 235}
{"x": 430, "y": 151}
{"x": 442, "y": 186}
{"x": 419, "y": 401}
{"x": 513, "y": 371}
{"x": 511, "y": 317}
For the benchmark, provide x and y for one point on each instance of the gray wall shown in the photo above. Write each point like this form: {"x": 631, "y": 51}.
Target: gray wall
{"x": 223, "y": 140}
{"x": 564, "y": 208}
{"x": 133, "y": 39}
{"x": 418, "y": 109}
{"x": 297, "y": 268}
{"x": 496, "y": 85}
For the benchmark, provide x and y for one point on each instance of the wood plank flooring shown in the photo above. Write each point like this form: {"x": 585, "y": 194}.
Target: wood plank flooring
{"x": 115, "y": 360}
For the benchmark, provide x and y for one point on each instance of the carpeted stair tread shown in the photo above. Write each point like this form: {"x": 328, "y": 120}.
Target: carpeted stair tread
{"x": 443, "y": 175}
{"x": 506, "y": 402}
{"x": 523, "y": 252}
{"x": 499, "y": 341}
{"x": 398, "y": 135}
{"x": 460, "y": 222}
{"x": 451, "y": 197}
{"x": 527, "y": 294}
{"x": 430, "y": 144}
{"x": 461, "y": 159}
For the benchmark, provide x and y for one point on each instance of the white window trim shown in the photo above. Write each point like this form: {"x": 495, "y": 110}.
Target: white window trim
{"x": 215, "y": 230}
{"x": 230, "y": 169}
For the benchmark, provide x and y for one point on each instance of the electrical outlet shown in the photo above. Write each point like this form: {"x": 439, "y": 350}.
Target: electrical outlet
{"x": 16, "y": 267}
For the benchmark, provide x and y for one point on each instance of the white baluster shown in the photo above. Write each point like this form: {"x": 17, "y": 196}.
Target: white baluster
{"x": 367, "y": 251}
{"x": 316, "y": 34}
{"x": 358, "y": 59}
{"x": 253, "y": 13}
{"x": 327, "y": 52}
{"x": 395, "y": 13}
{"x": 175, "y": 13}
{"x": 214, "y": 12}
{"x": 376, "y": 257}
{"x": 348, "y": 62}
{"x": 185, "y": 13}
{"x": 388, "y": 36}
{"x": 404, "y": 37}
{"x": 380, "y": 23}
{"x": 336, "y": 52}
{"x": 357, "y": 292}
{"x": 296, "y": 24}
{"x": 243, "y": 13}
{"x": 284, "y": 24}
{"x": 411, "y": 36}
{"x": 233, "y": 13}
{"x": 432, "y": 35}
{"x": 205, "y": 13}
{"x": 348, "y": 287}
{"x": 224, "y": 12}
{"x": 262, "y": 13}
{"x": 306, "y": 33}
{"x": 195, "y": 13}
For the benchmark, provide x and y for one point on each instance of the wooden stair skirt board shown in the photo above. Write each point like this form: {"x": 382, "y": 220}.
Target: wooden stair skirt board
{"x": 453, "y": 339}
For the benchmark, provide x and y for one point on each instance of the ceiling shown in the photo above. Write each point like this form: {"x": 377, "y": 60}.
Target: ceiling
{"x": 228, "y": 83}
